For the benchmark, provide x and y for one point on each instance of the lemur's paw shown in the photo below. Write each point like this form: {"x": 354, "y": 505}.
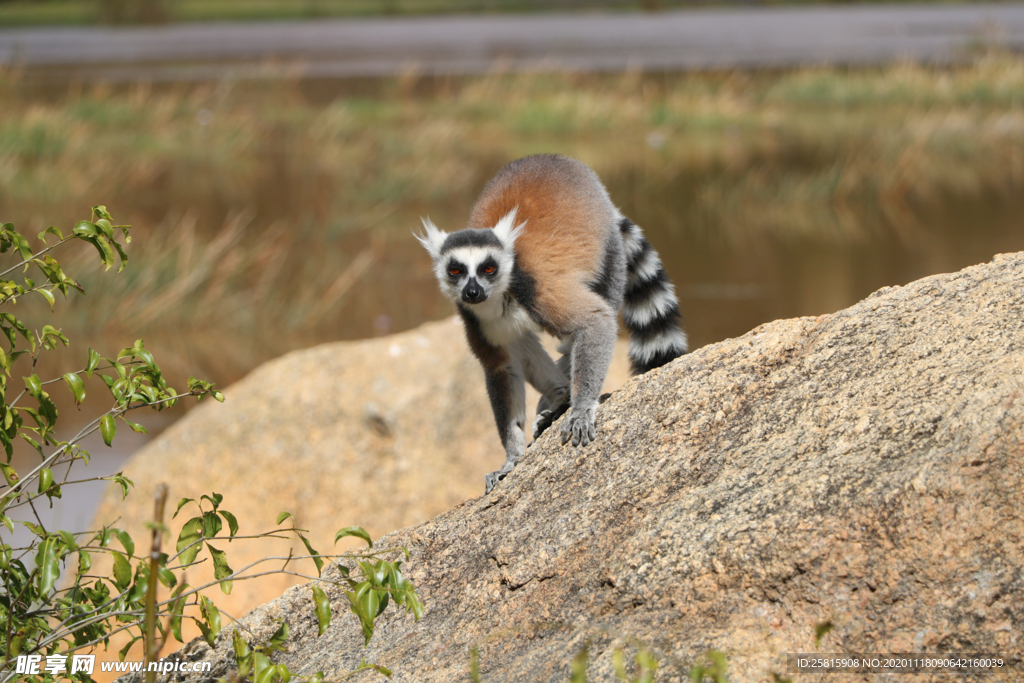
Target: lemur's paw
{"x": 491, "y": 480}
{"x": 579, "y": 427}
{"x": 540, "y": 423}
{"x": 546, "y": 418}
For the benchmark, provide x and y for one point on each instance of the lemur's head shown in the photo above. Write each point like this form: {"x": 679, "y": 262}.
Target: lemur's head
{"x": 473, "y": 265}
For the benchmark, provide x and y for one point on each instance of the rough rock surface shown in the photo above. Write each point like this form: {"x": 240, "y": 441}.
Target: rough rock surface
{"x": 863, "y": 468}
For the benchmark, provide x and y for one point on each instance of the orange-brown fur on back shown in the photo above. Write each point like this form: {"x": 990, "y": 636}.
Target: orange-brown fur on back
{"x": 568, "y": 218}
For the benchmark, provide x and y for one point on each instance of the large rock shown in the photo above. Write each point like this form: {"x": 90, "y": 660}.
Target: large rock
{"x": 383, "y": 433}
{"x": 863, "y": 468}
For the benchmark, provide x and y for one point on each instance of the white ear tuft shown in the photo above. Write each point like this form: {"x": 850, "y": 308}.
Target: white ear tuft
{"x": 433, "y": 239}
{"x": 505, "y": 231}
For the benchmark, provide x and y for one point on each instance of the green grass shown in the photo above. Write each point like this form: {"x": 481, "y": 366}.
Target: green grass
{"x": 280, "y": 211}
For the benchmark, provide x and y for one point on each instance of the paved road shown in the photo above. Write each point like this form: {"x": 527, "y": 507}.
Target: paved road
{"x": 782, "y": 36}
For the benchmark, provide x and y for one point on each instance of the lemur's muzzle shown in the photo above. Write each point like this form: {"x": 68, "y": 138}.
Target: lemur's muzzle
{"x": 473, "y": 293}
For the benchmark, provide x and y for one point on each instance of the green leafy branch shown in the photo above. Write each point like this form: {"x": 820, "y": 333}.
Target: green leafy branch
{"x": 42, "y": 613}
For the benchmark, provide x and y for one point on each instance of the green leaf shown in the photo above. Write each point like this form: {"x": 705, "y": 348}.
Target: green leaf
{"x": 243, "y": 655}
{"x": 648, "y": 665}
{"x": 84, "y": 561}
{"x": 32, "y": 442}
{"x": 278, "y": 640}
{"x": 52, "y": 230}
{"x": 356, "y": 531}
{"x": 181, "y": 503}
{"x": 322, "y": 609}
{"x": 34, "y": 385}
{"x": 363, "y": 665}
{"x": 215, "y": 499}
{"x": 232, "y": 522}
{"x": 414, "y": 604}
{"x": 120, "y": 252}
{"x": 474, "y": 664}
{"x": 619, "y": 665}
{"x": 370, "y": 603}
{"x": 70, "y": 544}
{"x": 48, "y": 295}
{"x": 165, "y": 575}
{"x": 122, "y": 571}
{"x": 211, "y": 524}
{"x": 45, "y": 479}
{"x": 124, "y": 482}
{"x": 9, "y": 474}
{"x": 145, "y": 356}
{"x": 720, "y": 665}
{"x": 102, "y": 245}
{"x": 176, "y": 610}
{"x": 211, "y": 617}
{"x": 124, "y": 650}
{"x": 19, "y": 240}
{"x": 283, "y": 516}
{"x": 188, "y": 540}
{"x": 357, "y": 605}
{"x": 137, "y": 428}
{"x": 105, "y": 228}
{"x": 85, "y": 229}
{"x": 264, "y": 669}
{"x": 90, "y": 365}
{"x": 108, "y": 428}
{"x": 315, "y": 556}
{"x": 76, "y": 385}
{"x": 126, "y": 541}
{"x": 821, "y": 630}
{"x": 46, "y": 408}
{"x": 579, "y": 664}
{"x": 221, "y": 570}
{"x": 47, "y": 562}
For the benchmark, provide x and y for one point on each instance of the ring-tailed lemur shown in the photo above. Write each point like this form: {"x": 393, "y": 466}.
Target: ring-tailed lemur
{"x": 547, "y": 250}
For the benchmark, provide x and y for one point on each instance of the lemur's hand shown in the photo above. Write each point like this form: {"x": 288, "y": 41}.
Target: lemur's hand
{"x": 579, "y": 427}
{"x": 491, "y": 480}
{"x": 546, "y": 418}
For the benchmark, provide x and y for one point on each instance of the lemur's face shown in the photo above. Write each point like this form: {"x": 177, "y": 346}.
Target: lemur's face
{"x": 473, "y": 265}
{"x": 473, "y": 274}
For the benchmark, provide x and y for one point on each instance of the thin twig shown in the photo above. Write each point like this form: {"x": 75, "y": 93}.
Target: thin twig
{"x": 38, "y": 254}
{"x": 153, "y": 647}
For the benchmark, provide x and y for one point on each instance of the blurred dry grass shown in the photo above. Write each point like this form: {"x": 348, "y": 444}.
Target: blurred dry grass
{"x": 41, "y": 12}
{"x": 280, "y": 210}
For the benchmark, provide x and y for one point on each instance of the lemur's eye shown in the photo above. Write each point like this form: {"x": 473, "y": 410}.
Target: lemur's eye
{"x": 454, "y": 271}
{"x": 489, "y": 269}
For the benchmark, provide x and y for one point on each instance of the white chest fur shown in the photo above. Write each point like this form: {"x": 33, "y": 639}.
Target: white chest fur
{"x": 503, "y": 320}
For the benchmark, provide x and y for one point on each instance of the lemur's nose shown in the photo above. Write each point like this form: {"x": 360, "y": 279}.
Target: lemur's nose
{"x": 473, "y": 293}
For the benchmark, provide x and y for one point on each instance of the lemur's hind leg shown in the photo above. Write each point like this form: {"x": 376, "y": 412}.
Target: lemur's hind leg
{"x": 592, "y": 346}
{"x": 551, "y": 379}
{"x": 507, "y": 391}
{"x": 549, "y": 409}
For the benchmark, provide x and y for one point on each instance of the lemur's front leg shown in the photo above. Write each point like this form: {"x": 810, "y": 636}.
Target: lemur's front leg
{"x": 507, "y": 391}
{"x": 592, "y": 348}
